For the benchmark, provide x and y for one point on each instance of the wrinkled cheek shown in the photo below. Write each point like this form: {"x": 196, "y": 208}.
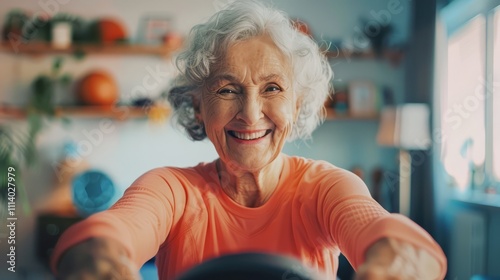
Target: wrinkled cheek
{"x": 215, "y": 134}
{"x": 286, "y": 121}
{"x": 283, "y": 131}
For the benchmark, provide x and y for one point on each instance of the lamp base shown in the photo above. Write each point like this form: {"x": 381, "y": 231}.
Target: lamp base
{"x": 404, "y": 182}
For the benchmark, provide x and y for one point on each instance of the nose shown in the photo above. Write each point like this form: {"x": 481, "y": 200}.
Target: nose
{"x": 250, "y": 109}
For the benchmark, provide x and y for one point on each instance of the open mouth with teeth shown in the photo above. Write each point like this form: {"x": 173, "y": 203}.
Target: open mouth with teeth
{"x": 249, "y": 135}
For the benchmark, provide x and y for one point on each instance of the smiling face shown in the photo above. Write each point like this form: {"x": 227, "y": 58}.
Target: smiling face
{"x": 248, "y": 107}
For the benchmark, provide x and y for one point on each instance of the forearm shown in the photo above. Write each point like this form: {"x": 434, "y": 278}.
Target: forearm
{"x": 96, "y": 258}
{"x": 393, "y": 259}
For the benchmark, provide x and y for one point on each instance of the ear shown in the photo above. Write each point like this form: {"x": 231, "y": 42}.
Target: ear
{"x": 196, "y": 101}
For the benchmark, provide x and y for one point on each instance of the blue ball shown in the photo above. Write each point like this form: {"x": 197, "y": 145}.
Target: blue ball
{"x": 93, "y": 191}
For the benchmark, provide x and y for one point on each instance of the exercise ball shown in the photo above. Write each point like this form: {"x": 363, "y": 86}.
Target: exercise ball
{"x": 98, "y": 88}
{"x": 93, "y": 191}
{"x": 250, "y": 266}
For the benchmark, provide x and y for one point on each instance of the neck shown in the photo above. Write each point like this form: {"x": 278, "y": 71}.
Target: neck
{"x": 250, "y": 188}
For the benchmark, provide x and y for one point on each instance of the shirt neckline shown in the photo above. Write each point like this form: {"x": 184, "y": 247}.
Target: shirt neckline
{"x": 241, "y": 210}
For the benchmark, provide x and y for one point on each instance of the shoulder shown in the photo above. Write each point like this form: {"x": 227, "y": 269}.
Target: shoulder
{"x": 324, "y": 176}
{"x": 174, "y": 177}
{"x": 318, "y": 169}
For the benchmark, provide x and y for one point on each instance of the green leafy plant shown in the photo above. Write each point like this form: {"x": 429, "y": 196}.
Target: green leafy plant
{"x": 42, "y": 102}
{"x": 17, "y": 149}
{"x": 14, "y": 24}
{"x": 17, "y": 144}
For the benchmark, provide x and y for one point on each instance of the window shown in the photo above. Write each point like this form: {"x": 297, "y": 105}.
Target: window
{"x": 470, "y": 115}
{"x": 463, "y": 121}
{"x": 496, "y": 95}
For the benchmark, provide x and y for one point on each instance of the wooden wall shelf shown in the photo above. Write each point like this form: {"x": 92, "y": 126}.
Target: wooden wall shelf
{"x": 120, "y": 49}
{"x": 331, "y": 115}
{"x": 118, "y": 113}
{"x": 128, "y": 112}
{"x": 393, "y": 56}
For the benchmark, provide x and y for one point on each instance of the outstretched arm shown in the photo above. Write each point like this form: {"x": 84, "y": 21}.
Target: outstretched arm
{"x": 372, "y": 239}
{"x": 96, "y": 258}
{"x": 390, "y": 258}
{"x": 126, "y": 235}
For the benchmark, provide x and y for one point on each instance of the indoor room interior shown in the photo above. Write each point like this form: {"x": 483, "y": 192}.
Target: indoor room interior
{"x": 414, "y": 112}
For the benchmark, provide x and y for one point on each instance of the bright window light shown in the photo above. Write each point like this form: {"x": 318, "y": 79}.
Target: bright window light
{"x": 463, "y": 119}
{"x": 496, "y": 95}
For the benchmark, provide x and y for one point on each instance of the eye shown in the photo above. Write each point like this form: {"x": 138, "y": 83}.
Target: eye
{"x": 273, "y": 88}
{"x": 224, "y": 91}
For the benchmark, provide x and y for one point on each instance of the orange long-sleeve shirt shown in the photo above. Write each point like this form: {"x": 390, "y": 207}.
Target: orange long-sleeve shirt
{"x": 182, "y": 216}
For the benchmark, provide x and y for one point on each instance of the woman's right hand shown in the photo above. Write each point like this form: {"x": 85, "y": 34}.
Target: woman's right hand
{"x": 96, "y": 258}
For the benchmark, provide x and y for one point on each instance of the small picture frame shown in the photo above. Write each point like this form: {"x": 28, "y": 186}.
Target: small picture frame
{"x": 362, "y": 98}
{"x": 153, "y": 29}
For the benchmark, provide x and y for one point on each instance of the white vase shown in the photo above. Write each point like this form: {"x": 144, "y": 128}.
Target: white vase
{"x": 61, "y": 35}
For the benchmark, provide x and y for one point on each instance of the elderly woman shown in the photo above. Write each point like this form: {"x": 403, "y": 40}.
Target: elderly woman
{"x": 249, "y": 82}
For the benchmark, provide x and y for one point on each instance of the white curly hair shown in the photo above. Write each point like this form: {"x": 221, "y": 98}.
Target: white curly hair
{"x": 208, "y": 42}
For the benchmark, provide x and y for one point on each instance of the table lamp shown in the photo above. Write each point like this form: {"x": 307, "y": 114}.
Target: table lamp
{"x": 406, "y": 127}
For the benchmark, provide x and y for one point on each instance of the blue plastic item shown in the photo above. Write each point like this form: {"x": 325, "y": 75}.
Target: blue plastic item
{"x": 93, "y": 191}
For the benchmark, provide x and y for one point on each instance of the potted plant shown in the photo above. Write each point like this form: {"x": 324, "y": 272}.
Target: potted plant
{"x": 17, "y": 144}
{"x": 14, "y": 24}
{"x": 16, "y": 150}
{"x": 42, "y": 102}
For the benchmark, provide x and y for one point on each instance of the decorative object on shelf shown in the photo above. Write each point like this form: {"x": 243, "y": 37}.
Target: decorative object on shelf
{"x": 93, "y": 191}
{"x": 158, "y": 112}
{"x": 340, "y": 101}
{"x": 42, "y": 102}
{"x": 406, "y": 127}
{"x": 108, "y": 31}
{"x": 362, "y": 96}
{"x": 61, "y": 35}
{"x": 98, "y": 88}
{"x": 62, "y": 30}
{"x": 143, "y": 102}
{"x": 377, "y": 34}
{"x": 13, "y": 25}
{"x": 153, "y": 30}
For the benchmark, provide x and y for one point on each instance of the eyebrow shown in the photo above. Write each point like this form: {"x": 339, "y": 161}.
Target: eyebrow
{"x": 231, "y": 78}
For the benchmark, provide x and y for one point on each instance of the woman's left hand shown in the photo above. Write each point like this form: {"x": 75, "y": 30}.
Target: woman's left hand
{"x": 392, "y": 259}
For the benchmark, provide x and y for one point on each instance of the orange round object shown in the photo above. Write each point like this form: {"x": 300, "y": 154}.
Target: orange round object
{"x": 302, "y": 27}
{"x": 111, "y": 30}
{"x": 98, "y": 88}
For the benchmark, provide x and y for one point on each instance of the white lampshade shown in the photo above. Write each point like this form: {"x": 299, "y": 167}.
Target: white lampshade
{"x": 405, "y": 126}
